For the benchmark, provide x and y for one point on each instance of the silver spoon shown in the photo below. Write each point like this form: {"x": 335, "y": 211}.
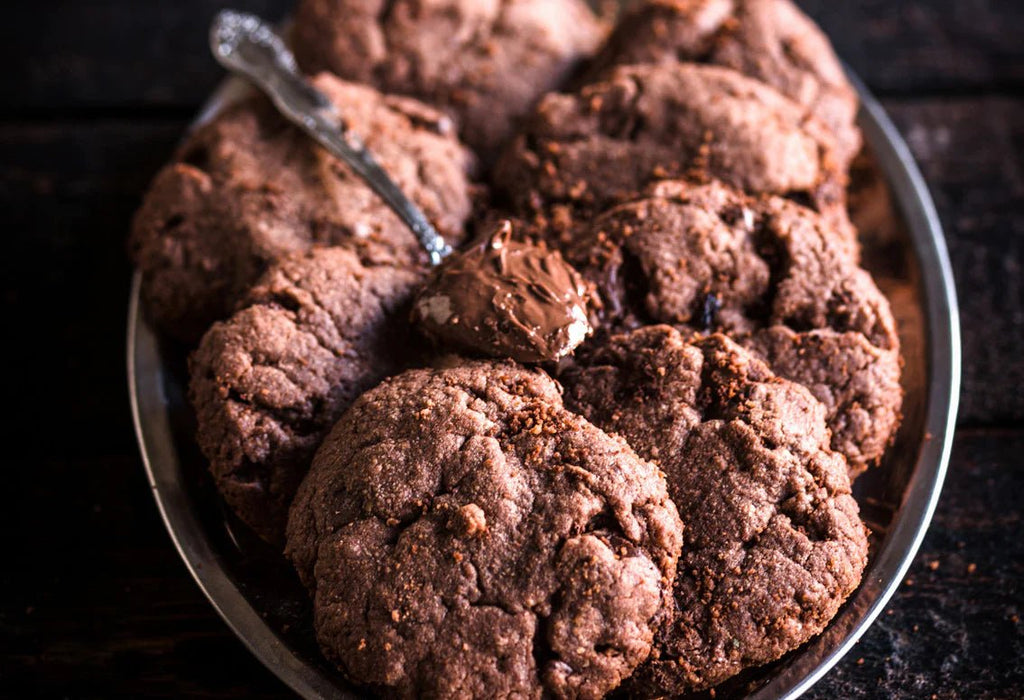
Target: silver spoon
{"x": 540, "y": 297}
{"x": 248, "y": 46}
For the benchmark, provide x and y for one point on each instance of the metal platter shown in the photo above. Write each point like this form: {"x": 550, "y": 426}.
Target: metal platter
{"x": 253, "y": 588}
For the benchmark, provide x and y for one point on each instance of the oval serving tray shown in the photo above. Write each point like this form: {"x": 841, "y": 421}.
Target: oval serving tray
{"x": 255, "y": 592}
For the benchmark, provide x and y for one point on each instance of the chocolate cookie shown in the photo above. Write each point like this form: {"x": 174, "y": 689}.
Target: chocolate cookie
{"x": 770, "y": 40}
{"x": 248, "y": 187}
{"x": 857, "y": 382}
{"x": 773, "y": 540}
{"x": 770, "y": 273}
{"x": 316, "y": 331}
{"x": 606, "y": 143}
{"x": 483, "y": 61}
{"x": 464, "y": 535}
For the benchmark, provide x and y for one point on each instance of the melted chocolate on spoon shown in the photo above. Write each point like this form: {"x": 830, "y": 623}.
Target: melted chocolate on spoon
{"x": 500, "y": 297}
{"x": 505, "y": 298}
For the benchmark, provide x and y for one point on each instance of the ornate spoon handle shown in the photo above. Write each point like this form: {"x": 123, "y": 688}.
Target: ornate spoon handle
{"x": 246, "y": 45}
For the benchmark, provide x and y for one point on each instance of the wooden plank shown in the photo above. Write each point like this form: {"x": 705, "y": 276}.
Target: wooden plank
{"x": 68, "y": 192}
{"x": 972, "y": 155}
{"x": 954, "y": 628}
{"x": 98, "y": 55}
{"x": 927, "y": 45}
{"x": 109, "y": 609}
{"x": 111, "y": 54}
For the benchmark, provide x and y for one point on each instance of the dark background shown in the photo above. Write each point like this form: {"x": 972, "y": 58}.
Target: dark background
{"x": 94, "y": 601}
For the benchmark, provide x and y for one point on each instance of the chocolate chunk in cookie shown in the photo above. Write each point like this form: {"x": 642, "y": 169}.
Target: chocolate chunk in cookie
{"x": 483, "y": 61}
{"x": 773, "y": 539}
{"x": 765, "y": 260}
{"x": 774, "y": 275}
{"x": 248, "y": 187}
{"x": 267, "y": 384}
{"x": 608, "y": 142}
{"x": 464, "y": 535}
{"x": 770, "y": 40}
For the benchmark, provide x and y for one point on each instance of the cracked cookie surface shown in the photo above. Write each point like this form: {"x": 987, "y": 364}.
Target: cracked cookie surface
{"x": 771, "y": 274}
{"x": 773, "y": 541}
{"x": 248, "y": 187}
{"x": 607, "y": 142}
{"x": 317, "y": 330}
{"x": 483, "y": 61}
{"x": 463, "y": 534}
{"x": 770, "y": 40}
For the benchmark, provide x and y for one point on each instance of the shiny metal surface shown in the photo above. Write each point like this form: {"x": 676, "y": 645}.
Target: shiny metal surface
{"x": 255, "y": 592}
{"x": 249, "y": 47}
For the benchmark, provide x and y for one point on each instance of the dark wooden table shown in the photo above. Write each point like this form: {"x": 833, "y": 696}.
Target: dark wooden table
{"x": 96, "y": 603}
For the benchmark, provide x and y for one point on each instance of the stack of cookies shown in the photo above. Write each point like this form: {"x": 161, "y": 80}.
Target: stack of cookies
{"x": 656, "y": 513}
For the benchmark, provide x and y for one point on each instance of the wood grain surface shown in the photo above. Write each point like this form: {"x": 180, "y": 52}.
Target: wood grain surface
{"x": 96, "y": 602}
